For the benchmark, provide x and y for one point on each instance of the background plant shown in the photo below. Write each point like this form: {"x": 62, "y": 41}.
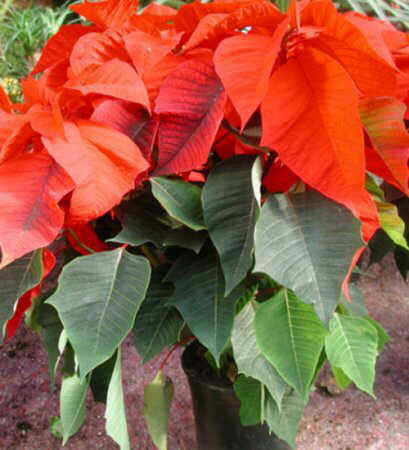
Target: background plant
{"x": 23, "y": 33}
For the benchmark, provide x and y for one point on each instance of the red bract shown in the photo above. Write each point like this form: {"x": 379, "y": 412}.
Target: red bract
{"x": 191, "y": 103}
{"x": 248, "y": 150}
{"x": 307, "y": 74}
{"x": 31, "y": 186}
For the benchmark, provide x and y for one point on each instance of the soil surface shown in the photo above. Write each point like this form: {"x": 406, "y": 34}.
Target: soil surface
{"x": 350, "y": 421}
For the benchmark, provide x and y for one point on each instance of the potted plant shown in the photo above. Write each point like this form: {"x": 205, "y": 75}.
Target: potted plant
{"x": 212, "y": 173}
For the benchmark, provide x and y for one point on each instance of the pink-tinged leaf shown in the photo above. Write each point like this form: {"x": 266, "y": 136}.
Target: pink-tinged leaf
{"x": 310, "y": 118}
{"x": 383, "y": 121}
{"x": 107, "y": 14}
{"x": 130, "y": 119}
{"x": 191, "y": 103}
{"x": 146, "y": 51}
{"x": 342, "y": 40}
{"x": 244, "y": 64}
{"x": 31, "y": 186}
{"x": 93, "y": 154}
{"x": 97, "y": 49}
{"x": 115, "y": 78}
{"x": 60, "y": 45}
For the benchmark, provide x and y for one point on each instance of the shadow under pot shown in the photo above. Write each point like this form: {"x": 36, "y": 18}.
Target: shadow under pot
{"x": 217, "y": 410}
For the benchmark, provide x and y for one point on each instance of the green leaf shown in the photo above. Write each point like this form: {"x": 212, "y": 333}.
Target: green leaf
{"x": 115, "y": 414}
{"x": 72, "y": 404}
{"x": 157, "y": 325}
{"x": 16, "y": 279}
{"x": 251, "y": 395}
{"x": 248, "y": 357}
{"x": 352, "y": 346}
{"x": 56, "y": 427}
{"x": 51, "y": 328}
{"x": 391, "y": 223}
{"x": 355, "y": 307}
{"x": 157, "y": 400}
{"x": 291, "y": 337}
{"x": 180, "y": 199}
{"x": 380, "y": 244}
{"x": 383, "y": 336}
{"x": 140, "y": 226}
{"x": 101, "y": 377}
{"x": 284, "y": 423}
{"x": 306, "y": 242}
{"x": 342, "y": 380}
{"x": 186, "y": 238}
{"x": 282, "y": 5}
{"x": 97, "y": 300}
{"x": 231, "y": 206}
{"x": 199, "y": 296}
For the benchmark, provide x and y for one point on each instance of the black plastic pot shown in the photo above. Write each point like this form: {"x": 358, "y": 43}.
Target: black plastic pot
{"x": 216, "y": 410}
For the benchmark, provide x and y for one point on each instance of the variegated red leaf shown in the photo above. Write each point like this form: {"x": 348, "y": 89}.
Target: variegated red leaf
{"x": 383, "y": 120}
{"x": 130, "y": 119}
{"x": 191, "y": 103}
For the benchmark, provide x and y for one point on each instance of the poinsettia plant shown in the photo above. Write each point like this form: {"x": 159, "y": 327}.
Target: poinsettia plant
{"x": 212, "y": 171}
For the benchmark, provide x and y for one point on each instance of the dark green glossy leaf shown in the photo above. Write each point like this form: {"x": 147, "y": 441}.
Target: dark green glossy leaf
{"x": 51, "y": 328}
{"x": 97, "y": 300}
{"x": 199, "y": 296}
{"x": 351, "y": 345}
{"x": 16, "y": 279}
{"x": 180, "y": 199}
{"x": 251, "y": 395}
{"x": 72, "y": 404}
{"x": 101, "y": 377}
{"x": 248, "y": 356}
{"x": 306, "y": 242}
{"x": 157, "y": 325}
{"x": 291, "y": 336}
{"x": 231, "y": 206}
{"x": 139, "y": 226}
{"x": 185, "y": 238}
{"x": 284, "y": 422}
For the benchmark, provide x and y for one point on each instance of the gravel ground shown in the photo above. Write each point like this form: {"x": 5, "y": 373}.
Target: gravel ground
{"x": 350, "y": 421}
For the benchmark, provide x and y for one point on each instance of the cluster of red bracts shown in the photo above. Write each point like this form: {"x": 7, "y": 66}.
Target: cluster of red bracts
{"x": 327, "y": 91}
